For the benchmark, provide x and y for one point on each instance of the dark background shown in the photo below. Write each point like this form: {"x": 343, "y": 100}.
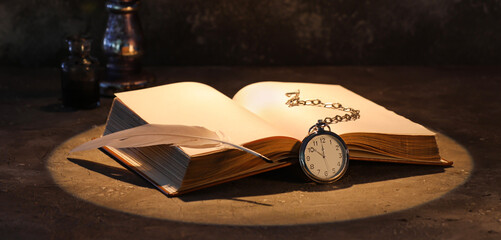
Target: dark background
{"x": 266, "y": 32}
{"x": 461, "y": 101}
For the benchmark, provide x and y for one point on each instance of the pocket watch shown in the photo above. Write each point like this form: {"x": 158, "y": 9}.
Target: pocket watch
{"x": 323, "y": 155}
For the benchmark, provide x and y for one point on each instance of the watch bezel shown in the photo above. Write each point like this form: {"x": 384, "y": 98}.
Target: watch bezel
{"x": 304, "y": 167}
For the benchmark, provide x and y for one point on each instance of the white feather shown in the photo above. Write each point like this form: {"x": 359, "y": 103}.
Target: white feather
{"x": 158, "y": 134}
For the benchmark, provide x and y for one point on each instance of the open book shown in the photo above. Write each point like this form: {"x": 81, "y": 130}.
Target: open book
{"x": 257, "y": 118}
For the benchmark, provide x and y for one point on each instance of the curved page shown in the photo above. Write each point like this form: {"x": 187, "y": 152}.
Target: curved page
{"x": 267, "y": 100}
{"x": 196, "y": 104}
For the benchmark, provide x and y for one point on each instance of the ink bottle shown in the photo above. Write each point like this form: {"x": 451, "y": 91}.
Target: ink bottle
{"x": 79, "y": 75}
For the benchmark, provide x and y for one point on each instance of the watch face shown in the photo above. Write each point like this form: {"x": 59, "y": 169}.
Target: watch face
{"x": 323, "y": 157}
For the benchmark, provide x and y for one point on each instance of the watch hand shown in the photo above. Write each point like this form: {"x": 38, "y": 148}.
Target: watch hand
{"x": 317, "y": 151}
{"x": 325, "y": 160}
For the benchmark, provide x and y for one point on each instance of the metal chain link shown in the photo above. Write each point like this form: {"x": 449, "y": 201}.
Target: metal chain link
{"x": 351, "y": 114}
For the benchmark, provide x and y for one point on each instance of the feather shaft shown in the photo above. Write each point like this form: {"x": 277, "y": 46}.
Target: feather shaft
{"x": 157, "y": 134}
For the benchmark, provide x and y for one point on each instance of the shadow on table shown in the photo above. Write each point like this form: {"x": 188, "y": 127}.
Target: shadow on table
{"x": 287, "y": 180}
{"x": 117, "y": 173}
{"x": 274, "y": 182}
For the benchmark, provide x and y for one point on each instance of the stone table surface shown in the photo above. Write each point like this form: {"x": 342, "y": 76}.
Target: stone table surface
{"x": 463, "y": 103}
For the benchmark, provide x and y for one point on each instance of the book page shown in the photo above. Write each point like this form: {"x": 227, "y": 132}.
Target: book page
{"x": 196, "y": 104}
{"x": 267, "y": 99}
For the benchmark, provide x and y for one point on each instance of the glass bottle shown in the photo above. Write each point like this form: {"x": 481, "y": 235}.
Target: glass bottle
{"x": 79, "y": 75}
{"x": 123, "y": 48}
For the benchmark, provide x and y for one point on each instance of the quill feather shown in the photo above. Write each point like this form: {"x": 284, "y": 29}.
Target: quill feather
{"x": 157, "y": 134}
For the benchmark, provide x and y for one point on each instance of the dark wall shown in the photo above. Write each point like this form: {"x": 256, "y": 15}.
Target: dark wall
{"x": 267, "y": 32}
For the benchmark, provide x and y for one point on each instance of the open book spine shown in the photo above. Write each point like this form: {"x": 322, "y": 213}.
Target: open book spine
{"x": 276, "y": 166}
{"x": 408, "y": 149}
{"x": 167, "y": 167}
{"x": 442, "y": 162}
{"x": 170, "y": 191}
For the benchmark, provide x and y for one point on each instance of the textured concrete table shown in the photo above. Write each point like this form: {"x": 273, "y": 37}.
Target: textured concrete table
{"x": 38, "y": 199}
